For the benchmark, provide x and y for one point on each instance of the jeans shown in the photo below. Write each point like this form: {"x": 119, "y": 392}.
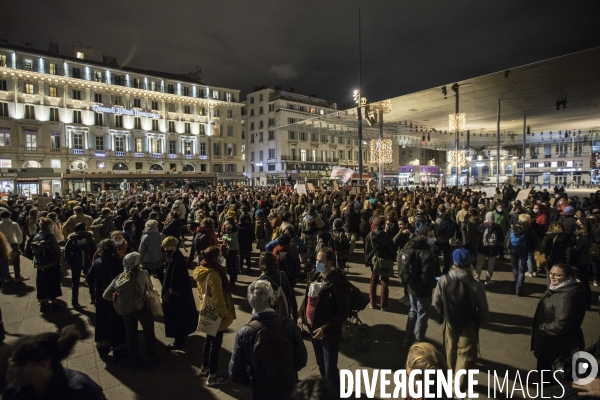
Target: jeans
{"x": 326, "y": 353}
{"x": 416, "y": 324}
{"x": 481, "y": 258}
{"x": 17, "y": 262}
{"x": 232, "y": 263}
{"x": 446, "y": 250}
{"x": 144, "y": 316}
{"x": 519, "y": 263}
{"x": 384, "y": 289}
{"x": 210, "y": 354}
{"x": 245, "y": 256}
{"x": 531, "y": 264}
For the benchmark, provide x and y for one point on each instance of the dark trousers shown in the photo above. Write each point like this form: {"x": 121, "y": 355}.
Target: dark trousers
{"x": 76, "y": 270}
{"x": 145, "y": 318}
{"x": 232, "y": 264}
{"x": 584, "y": 278}
{"x": 210, "y": 354}
{"x": 384, "y": 290}
{"x": 326, "y": 353}
{"x": 446, "y": 251}
{"x": 596, "y": 270}
{"x": 17, "y": 262}
{"x": 245, "y": 256}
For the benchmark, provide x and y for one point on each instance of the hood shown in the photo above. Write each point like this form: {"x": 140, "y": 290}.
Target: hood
{"x": 475, "y": 219}
{"x": 149, "y": 231}
{"x": 460, "y": 273}
{"x": 419, "y": 244}
{"x": 201, "y": 272}
{"x": 574, "y": 288}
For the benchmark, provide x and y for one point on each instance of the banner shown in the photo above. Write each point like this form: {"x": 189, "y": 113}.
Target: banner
{"x": 342, "y": 172}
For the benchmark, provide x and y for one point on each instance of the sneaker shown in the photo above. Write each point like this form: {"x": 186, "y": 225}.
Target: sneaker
{"x": 595, "y": 283}
{"x": 204, "y": 372}
{"x": 529, "y": 274}
{"x": 385, "y": 309}
{"x": 371, "y": 305}
{"x": 534, "y": 274}
{"x": 217, "y": 380}
{"x": 489, "y": 282}
{"x": 20, "y": 279}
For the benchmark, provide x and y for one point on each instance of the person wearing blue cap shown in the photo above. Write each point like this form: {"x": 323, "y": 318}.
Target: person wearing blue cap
{"x": 462, "y": 303}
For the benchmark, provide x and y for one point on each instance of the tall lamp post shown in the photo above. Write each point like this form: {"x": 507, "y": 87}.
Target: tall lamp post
{"x": 381, "y": 149}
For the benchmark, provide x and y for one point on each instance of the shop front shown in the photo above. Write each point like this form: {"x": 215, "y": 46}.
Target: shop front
{"x": 31, "y": 183}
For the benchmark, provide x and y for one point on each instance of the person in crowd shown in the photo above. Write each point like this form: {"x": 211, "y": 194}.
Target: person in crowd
{"x": 443, "y": 234}
{"x": 139, "y": 311}
{"x": 45, "y": 253}
{"x": 379, "y": 243}
{"x": 568, "y": 221}
{"x": 211, "y": 278}
{"x": 78, "y": 217}
{"x": 424, "y": 356}
{"x": 556, "y": 329}
{"x": 583, "y": 261}
{"x": 324, "y": 310}
{"x": 315, "y": 388}
{"x": 56, "y": 228}
{"x": 471, "y": 237}
{"x": 419, "y": 268}
{"x": 269, "y": 351}
{"x": 270, "y": 272}
{"x": 521, "y": 241}
{"x": 230, "y": 238}
{"x": 556, "y": 246}
{"x": 103, "y": 226}
{"x": 491, "y": 238}
{"x": 109, "y": 329}
{"x": 365, "y": 219}
{"x": 245, "y": 239}
{"x": 151, "y": 252}
{"x": 179, "y": 306}
{"x": 462, "y": 303}
{"x": 502, "y": 219}
{"x": 340, "y": 244}
{"x": 79, "y": 251}
{"x": 14, "y": 236}
{"x": 174, "y": 224}
{"x": 35, "y": 370}
{"x": 351, "y": 225}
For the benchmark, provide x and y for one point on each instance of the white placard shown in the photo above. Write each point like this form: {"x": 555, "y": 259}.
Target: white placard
{"x": 301, "y": 188}
{"x": 489, "y": 192}
{"x": 523, "y": 194}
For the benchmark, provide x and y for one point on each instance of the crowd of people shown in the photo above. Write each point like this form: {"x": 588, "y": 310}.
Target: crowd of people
{"x": 437, "y": 241}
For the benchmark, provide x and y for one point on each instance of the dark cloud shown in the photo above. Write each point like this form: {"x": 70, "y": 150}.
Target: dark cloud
{"x": 312, "y": 45}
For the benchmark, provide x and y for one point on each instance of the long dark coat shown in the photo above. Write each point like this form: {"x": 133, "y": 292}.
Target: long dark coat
{"x": 48, "y": 280}
{"x": 179, "y": 305}
{"x": 109, "y": 325}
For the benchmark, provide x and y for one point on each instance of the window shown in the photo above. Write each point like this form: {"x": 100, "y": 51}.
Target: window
{"x": 187, "y": 127}
{"x": 201, "y": 111}
{"x": 78, "y": 141}
{"x": 155, "y": 145}
{"x": 119, "y": 143}
{"x": 28, "y": 64}
{"x": 154, "y": 124}
{"x": 340, "y": 140}
{"x": 260, "y": 97}
{"x": 271, "y": 153}
{"x": 230, "y": 167}
{"x": 202, "y": 149}
{"x": 252, "y": 138}
{"x": 217, "y": 168}
{"x": 137, "y": 83}
{"x": 52, "y": 69}
{"x": 187, "y": 109}
{"x": 229, "y": 114}
{"x": 251, "y": 100}
{"x": 261, "y": 110}
{"x": 54, "y": 140}
{"x": 314, "y": 137}
{"x": 186, "y": 92}
{"x": 171, "y": 107}
{"x": 77, "y": 94}
{"x": 172, "y": 147}
{"x": 29, "y": 112}
{"x": 292, "y": 120}
{"x": 202, "y": 167}
{"x": 155, "y": 105}
{"x": 188, "y": 147}
{"x": 302, "y": 108}
{"x": 77, "y": 117}
{"x": 118, "y": 121}
{"x": 202, "y": 129}
{"x": 216, "y": 113}
{"x": 137, "y": 103}
{"x": 332, "y": 155}
{"x": 80, "y": 55}
{"x": 98, "y": 76}
{"x": 252, "y": 112}
{"x": 261, "y": 125}
{"x": 302, "y": 155}
{"x": 271, "y": 135}
{"x": 118, "y": 101}
{"x": 292, "y": 135}
{"x": 215, "y": 94}
{"x": 137, "y": 123}
{"x": 251, "y": 126}
{"x": 271, "y": 107}
{"x": 30, "y": 140}
{"x": 314, "y": 155}
{"x": 171, "y": 126}
{"x": 54, "y": 163}
{"x": 138, "y": 165}
{"x": 99, "y": 142}
{"x": 170, "y": 88}
{"x": 4, "y": 139}
{"x": 53, "y": 91}
{"x": 229, "y": 130}
{"x": 302, "y": 135}
{"x": 54, "y": 114}
{"x": 293, "y": 154}
{"x": 324, "y": 155}
{"x": 349, "y": 154}
{"x": 341, "y": 153}
{"x": 252, "y": 156}
{"x": 3, "y": 109}
{"x": 98, "y": 97}
{"x": 230, "y": 149}
{"x": 260, "y": 155}
{"x": 291, "y": 107}
{"x": 217, "y": 149}
{"x": 229, "y": 97}
{"x": 98, "y": 119}
{"x": 356, "y": 143}
{"x": 28, "y": 88}
{"x": 139, "y": 145}
{"x": 260, "y": 137}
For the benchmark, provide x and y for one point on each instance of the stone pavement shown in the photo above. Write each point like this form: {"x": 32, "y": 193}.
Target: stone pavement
{"x": 504, "y": 339}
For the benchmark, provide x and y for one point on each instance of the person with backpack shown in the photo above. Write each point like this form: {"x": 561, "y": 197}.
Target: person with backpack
{"x": 379, "y": 244}
{"x": 285, "y": 299}
{"x": 269, "y": 351}
{"x": 444, "y": 230}
{"x": 43, "y": 249}
{"x": 340, "y": 244}
{"x": 520, "y": 242}
{"x": 262, "y": 230}
{"x": 150, "y": 250}
{"x": 103, "y": 226}
{"x": 501, "y": 218}
{"x": 245, "y": 239}
{"x": 230, "y": 238}
{"x": 351, "y": 225}
{"x": 204, "y": 237}
{"x": 325, "y": 308}
{"x": 491, "y": 237}
{"x": 22, "y": 222}
{"x": 461, "y": 301}
{"x": 419, "y": 269}
{"x": 14, "y": 236}
{"x": 285, "y": 257}
{"x": 79, "y": 250}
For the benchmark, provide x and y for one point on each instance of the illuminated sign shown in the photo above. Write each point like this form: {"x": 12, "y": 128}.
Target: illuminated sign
{"x": 124, "y": 111}
{"x": 568, "y": 169}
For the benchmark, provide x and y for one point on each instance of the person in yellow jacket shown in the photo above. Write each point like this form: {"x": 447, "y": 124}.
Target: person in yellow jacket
{"x": 210, "y": 275}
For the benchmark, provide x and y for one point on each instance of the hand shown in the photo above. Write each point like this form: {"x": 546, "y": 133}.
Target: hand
{"x": 318, "y": 334}
{"x": 592, "y": 389}
{"x": 299, "y": 323}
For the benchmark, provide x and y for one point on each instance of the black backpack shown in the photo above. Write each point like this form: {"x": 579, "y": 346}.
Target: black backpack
{"x": 459, "y": 310}
{"x": 22, "y": 220}
{"x": 42, "y": 253}
{"x": 201, "y": 242}
{"x": 273, "y": 366}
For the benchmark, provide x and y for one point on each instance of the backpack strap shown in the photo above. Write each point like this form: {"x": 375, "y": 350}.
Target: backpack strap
{"x": 256, "y": 325}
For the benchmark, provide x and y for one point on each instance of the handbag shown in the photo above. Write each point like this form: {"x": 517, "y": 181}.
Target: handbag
{"x": 223, "y": 248}
{"x": 210, "y": 320}
{"x": 153, "y": 301}
{"x": 381, "y": 267}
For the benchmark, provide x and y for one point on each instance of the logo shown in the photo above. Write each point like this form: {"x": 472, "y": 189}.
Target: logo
{"x": 583, "y": 363}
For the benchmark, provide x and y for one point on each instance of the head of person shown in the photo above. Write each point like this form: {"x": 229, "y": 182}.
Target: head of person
{"x": 560, "y": 273}
{"x": 212, "y": 253}
{"x": 424, "y": 356}
{"x": 461, "y": 258}
{"x": 132, "y": 262}
{"x": 338, "y": 224}
{"x": 500, "y": 207}
{"x": 260, "y": 296}
{"x": 35, "y": 358}
{"x": 170, "y": 244}
{"x": 325, "y": 260}
{"x": 581, "y": 230}
{"x": 525, "y": 218}
{"x": 315, "y": 388}
{"x": 379, "y": 223}
{"x": 208, "y": 223}
{"x": 426, "y": 234}
{"x": 80, "y": 227}
{"x": 579, "y": 214}
{"x": 5, "y": 214}
{"x": 78, "y": 210}
{"x": 107, "y": 247}
{"x": 556, "y": 227}
{"x": 151, "y": 224}
{"x": 46, "y": 224}
{"x": 441, "y": 209}
{"x": 106, "y": 212}
{"x": 268, "y": 262}
{"x": 403, "y": 223}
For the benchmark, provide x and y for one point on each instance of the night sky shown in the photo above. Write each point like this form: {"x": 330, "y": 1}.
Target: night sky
{"x": 312, "y": 45}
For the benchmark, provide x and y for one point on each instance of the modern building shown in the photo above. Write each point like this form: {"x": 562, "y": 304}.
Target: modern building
{"x": 73, "y": 113}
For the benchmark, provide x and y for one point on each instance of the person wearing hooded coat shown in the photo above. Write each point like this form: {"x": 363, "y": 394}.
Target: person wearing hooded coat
{"x": 150, "y": 250}
{"x": 179, "y": 306}
{"x": 488, "y": 253}
{"x": 379, "y": 243}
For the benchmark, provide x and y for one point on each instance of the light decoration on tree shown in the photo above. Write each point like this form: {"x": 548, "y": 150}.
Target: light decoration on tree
{"x": 381, "y": 148}
{"x": 457, "y": 122}
{"x": 458, "y": 158}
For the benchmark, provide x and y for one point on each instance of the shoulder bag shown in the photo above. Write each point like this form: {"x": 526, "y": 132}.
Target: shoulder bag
{"x": 210, "y": 320}
{"x": 381, "y": 267}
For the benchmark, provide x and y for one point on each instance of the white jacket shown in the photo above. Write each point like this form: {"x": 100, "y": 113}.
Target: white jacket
{"x": 11, "y": 231}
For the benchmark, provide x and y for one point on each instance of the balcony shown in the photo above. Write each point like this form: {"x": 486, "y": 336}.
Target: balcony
{"x": 78, "y": 151}
{"x": 120, "y": 153}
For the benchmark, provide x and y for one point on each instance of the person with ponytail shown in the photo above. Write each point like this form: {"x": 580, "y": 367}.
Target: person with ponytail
{"x": 557, "y": 321}
{"x": 35, "y": 370}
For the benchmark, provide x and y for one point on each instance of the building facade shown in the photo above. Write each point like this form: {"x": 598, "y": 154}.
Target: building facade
{"x": 75, "y": 112}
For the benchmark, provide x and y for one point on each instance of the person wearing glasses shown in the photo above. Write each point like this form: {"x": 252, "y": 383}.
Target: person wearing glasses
{"x": 557, "y": 322}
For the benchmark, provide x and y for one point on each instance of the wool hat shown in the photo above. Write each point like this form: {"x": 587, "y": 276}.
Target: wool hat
{"x": 461, "y": 257}
{"x": 568, "y": 210}
{"x": 170, "y": 242}
{"x": 231, "y": 214}
{"x": 151, "y": 223}
{"x": 489, "y": 217}
{"x": 131, "y": 260}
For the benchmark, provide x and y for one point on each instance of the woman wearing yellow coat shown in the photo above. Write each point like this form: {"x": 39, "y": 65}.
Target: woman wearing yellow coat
{"x": 212, "y": 275}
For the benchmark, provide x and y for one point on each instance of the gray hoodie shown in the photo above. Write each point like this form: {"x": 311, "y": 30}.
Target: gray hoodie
{"x": 476, "y": 288}
{"x": 150, "y": 246}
